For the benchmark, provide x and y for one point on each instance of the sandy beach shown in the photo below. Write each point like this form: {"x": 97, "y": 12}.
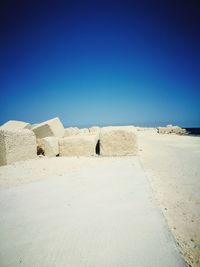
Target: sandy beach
{"x": 172, "y": 166}
{"x": 104, "y": 211}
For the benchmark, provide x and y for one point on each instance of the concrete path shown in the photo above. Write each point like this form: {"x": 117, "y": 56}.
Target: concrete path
{"x": 102, "y": 216}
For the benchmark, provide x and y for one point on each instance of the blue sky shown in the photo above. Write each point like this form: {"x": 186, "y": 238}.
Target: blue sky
{"x": 101, "y": 62}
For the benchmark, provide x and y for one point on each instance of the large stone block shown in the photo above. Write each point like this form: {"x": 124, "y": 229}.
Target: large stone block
{"x": 53, "y": 127}
{"x": 83, "y": 131}
{"x": 95, "y": 130}
{"x": 49, "y": 145}
{"x": 15, "y": 125}
{"x": 33, "y": 125}
{"x": 16, "y": 146}
{"x": 71, "y": 131}
{"x": 118, "y": 141}
{"x": 146, "y": 129}
{"x": 78, "y": 145}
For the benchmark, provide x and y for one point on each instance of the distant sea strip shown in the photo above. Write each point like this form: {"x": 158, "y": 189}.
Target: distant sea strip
{"x": 193, "y": 131}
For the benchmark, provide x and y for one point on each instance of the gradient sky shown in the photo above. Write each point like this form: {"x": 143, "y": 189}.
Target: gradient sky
{"x": 101, "y": 62}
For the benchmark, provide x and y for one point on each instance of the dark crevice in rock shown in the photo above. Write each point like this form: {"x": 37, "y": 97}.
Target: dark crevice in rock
{"x": 98, "y": 148}
{"x": 40, "y": 151}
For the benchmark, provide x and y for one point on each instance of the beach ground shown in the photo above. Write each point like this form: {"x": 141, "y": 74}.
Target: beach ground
{"x": 172, "y": 164}
{"x": 82, "y": 212}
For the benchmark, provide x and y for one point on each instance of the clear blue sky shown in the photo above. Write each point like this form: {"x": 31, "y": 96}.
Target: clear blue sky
{"x": 101, "y": 62}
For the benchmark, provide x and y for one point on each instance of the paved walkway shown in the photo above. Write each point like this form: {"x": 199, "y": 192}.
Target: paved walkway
{"x": 102, "y": 216}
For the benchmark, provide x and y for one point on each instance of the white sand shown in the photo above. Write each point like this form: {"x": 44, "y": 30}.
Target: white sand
{"x": 173, "y": 166}
{"x": 82, "y": 212}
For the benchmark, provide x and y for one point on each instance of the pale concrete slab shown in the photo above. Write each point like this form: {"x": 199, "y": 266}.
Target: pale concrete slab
{"x": 100, "y": 215}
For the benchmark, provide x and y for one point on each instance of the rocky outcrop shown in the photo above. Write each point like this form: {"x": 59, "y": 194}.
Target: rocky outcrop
{"x": 53, "y": 127}
{"x": 16, "y": 145}
{"x": 170, "y": 129}
{"x": 118, "y": 141}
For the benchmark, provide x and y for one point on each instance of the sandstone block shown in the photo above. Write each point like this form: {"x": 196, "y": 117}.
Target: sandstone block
{"x": 53, "y": 127}
{"x": 79, "y": 145}
{"x": 146, "y": 129}
{"x": 33, "y": 125}
{"x": 118, "y": 141}
{"x": 49, "y": 146}
{"x": 16, "y": 146}
{"x": 83, "y": 131}
{"x": 71, "y": 131}
{"x": 94, "y": 130}
{"x": 13, "y": 125}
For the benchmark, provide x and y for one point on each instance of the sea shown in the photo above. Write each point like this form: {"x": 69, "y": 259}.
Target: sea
{"x": 193, "y": 131}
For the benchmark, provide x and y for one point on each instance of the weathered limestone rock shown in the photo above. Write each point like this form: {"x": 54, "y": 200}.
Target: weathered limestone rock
{"x": 15, "y": 125}
{"x": 33, "y": 125}
{"x": 53, "y": 127}
{"x": 71, "y": 131}
{"x": 83, "y": 131}
{"x": 16, "y": 146}
{"x": 94, "y": 130}
{"x": 49, "y": 145}
{"x": 146, "y": 129}
{"x": 178, "y": 130}
{"x": 169, "y": 129}
{"x": 118, "y": 141}
{"x": 75, "y": 131}
{"x": 78, "y": 145}
{"x": 163, "y": 130}
{"x": 40, "y": 147}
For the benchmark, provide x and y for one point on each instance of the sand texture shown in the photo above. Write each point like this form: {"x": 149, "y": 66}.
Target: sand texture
{"x": 173, "y": 165}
